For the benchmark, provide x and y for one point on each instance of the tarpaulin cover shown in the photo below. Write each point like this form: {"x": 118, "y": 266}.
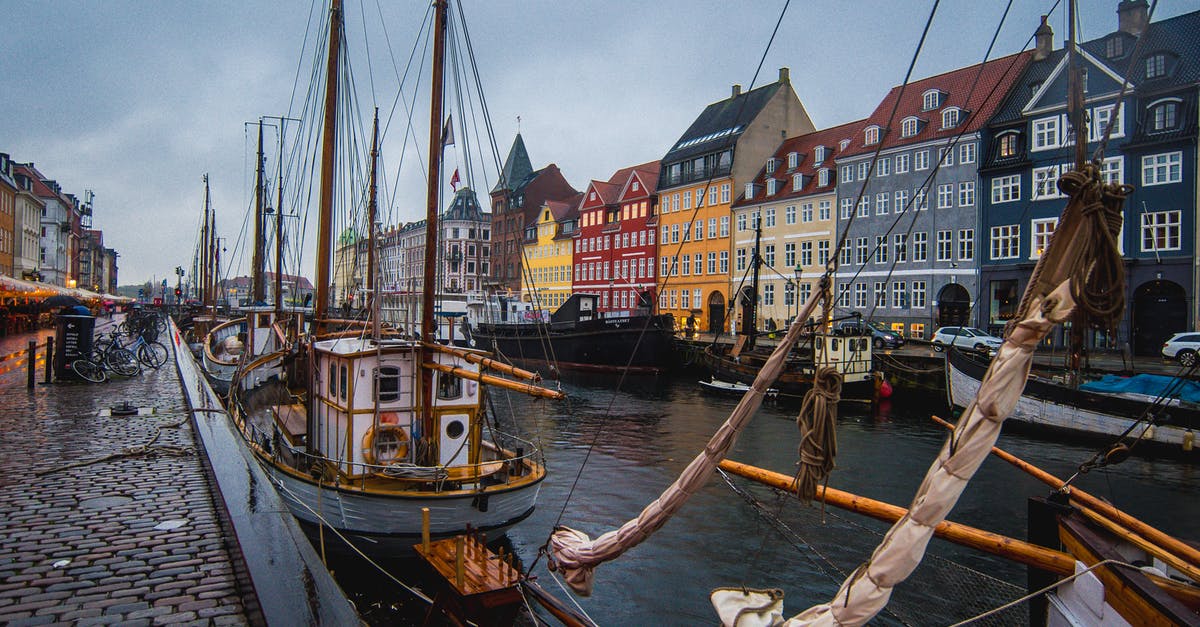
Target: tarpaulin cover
{"x": 1154, "y": 385}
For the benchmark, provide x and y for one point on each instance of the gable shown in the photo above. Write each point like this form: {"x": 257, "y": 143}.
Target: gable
{"x": 1052, "y": 93}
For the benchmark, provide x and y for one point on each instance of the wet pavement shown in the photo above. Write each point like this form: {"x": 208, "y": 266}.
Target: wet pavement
{"x": 108, "y": 519}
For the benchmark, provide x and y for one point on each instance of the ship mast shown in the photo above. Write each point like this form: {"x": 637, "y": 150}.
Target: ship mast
{"x": 372, "y": 216}
{"x": 428, "y": 330}
{"x": 256, "y": 277}
{"x": 205, "y": 252}
{"x": 328, "y": 144}
{"x": 279, "y": 230}
{"x": 756, "y": 263}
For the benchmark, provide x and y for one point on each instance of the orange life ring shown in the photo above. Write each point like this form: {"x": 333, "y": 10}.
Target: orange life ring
{"x": 390, "y": 436}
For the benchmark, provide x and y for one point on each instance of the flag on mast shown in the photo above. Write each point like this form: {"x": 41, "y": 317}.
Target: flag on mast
{"x": 448, "y": 132}
{"x": 454, "y": 180}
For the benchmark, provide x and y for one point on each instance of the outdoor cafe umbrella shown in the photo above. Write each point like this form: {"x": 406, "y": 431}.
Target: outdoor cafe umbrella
{"x": 61, "y": 300}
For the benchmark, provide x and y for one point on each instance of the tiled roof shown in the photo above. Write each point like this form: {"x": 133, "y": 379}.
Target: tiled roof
{"x": 38, "y": 181}
{"x": 994, "y": 79}
{"x": 721, "y": 123}
{"x": 1177, "y": 35}
{"x": 805, "y": 146}
{"x": 464, "y": 206}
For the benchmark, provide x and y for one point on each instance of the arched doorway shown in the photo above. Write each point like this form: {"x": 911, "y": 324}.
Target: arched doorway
{"x": 716, "y": 312}
{"x": 953, "y": 305}
{"x": 1160, "y": 310}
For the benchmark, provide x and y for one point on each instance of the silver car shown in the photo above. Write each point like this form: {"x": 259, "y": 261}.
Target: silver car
{"x": 965, "y": 337}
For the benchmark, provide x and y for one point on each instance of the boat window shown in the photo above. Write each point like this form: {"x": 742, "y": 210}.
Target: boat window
{"x": 455, "y": 429}
{"x": 332, "y": 381}
{"x": 449, "y": 387}
{"x": 833, "y": 344}
{"x": 343, "y": 386}
{"x": 387, "y": 384}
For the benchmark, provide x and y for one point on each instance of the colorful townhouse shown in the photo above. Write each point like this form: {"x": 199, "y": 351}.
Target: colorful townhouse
{"x": 908, "y": 200}
{"x": 548, "y": 260}
{"x": 1152, "y": 146}
{"x": 793, "y": 199}
{"x": 8, "y": 208}
{"x": 27, "y": 230}
{"x": 55, "y": 226}
{"x": 516, "y": 200}
{"x": 722, "y": 150}
{"x": 615, "y": 247}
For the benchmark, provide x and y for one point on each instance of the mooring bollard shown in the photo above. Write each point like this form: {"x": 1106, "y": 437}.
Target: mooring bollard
{"x": 31, "y": 356}
{"x": 49, "y": 358}
{"x": 425, "y": 529}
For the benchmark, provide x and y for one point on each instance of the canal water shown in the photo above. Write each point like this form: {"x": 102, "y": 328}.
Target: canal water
{"x": 609, "y": 453}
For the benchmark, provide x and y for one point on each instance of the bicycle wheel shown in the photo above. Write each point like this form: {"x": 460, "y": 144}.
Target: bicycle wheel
{"x": 89, "y": 370}
{"x": 122, "y": 362}
{"x": 152, "y": 354}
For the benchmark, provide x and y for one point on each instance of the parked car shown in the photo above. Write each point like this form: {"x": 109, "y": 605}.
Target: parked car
{"x": 881, "y": 336}
{"x": 1182, "y": 347}
{"x": 965, "y": 337}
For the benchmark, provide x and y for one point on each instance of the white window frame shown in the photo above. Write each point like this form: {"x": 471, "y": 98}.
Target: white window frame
{"x": 1006, "y": 189}
{"x": 951, "y": 117}
{"x": 1005, "y": 241}
{"x": 918, "y": 295}
{"x": 1040, "y": 232}
{"x": 920, "y": 247}
{"x": 921, "y": 160}
{"x": 902, "y": 163}
{"x": 966, "y": 194}
{"x": 1047, "y": 134}
{"x": 966, "y": 153}
{"x": 966, "y": 244}
{"x": 1162, "y": 168}
{"x": 871, "y": 135}
{"x": 909, "y": 126}
{"x": 945, "y": 244}
{"x": 1158, "y": 226}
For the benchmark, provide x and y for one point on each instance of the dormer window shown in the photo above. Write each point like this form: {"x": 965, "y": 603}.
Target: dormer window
{"x": 910, "y": 126}
{"x": 823, "y": 177}
{"x": 1009, "y": 142}
{"x": 797, "y": 182}
{"x": 1156, "y": 65}
{"x": 871, "y": 135}
{"x": 771, "y": 165}
{"x": 931, "y": 99}
{"x": 950, "y": 117}
{"x": 819, "y": 154}
{"x": 771, "y": 186}
{"x": 843, "y": 144}
{"x": 1114, "y": 47}
{"x": 1164, "y": 114}
{"x": 749, "y": 191}
{"x": 793, "y": 160}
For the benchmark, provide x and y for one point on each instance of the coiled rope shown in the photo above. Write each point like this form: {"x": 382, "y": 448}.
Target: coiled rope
{"x": 1099, "y": 287}
{"x": 817, "y": 421}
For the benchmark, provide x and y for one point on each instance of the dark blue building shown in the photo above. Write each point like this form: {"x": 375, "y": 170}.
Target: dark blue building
{"x": 1029, "y": 143}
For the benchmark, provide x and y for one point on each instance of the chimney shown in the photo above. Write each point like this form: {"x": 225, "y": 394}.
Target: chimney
{"x": 737, "y": 91}
{"x": 785, "y": 75}
{"x": 1133, "y": 16}
{"x": 1045, "y": 41}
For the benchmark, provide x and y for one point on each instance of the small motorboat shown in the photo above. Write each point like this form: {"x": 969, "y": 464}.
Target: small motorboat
{"x": 725, "y": 387}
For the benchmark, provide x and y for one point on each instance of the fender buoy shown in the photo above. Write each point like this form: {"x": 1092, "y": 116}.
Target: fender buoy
{"x": 885, "y": 389}
{"x": 385, "y": 444}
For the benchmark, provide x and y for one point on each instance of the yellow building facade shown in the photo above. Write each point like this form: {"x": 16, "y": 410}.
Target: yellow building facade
{"x": 547, "y": 256}
{"x": 701, "y": 175}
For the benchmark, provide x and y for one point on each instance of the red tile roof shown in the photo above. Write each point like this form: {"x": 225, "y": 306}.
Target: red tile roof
{"x": 994, "y": 80}
{"x": 805, "y": 146}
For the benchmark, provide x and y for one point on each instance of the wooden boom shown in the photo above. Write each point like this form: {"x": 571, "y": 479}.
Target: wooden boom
{"x": 1056, "y": 562}
{"x": 527, "y": 388}
{"x": 490, "y": 364}
{"x": 1163, "y": 541}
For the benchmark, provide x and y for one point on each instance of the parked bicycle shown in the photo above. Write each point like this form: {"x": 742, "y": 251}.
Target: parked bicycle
{"x": 107, "y": 356}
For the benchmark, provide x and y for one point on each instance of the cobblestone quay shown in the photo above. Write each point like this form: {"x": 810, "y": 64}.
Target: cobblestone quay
{"x": 159, "y": 517}
{"x": 108, "y": 519}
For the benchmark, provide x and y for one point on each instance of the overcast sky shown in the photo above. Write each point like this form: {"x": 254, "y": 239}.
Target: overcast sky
{"x": 135, "y": 101}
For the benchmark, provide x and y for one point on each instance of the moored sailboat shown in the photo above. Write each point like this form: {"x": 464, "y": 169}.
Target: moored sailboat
{"x": 361, "y": 428}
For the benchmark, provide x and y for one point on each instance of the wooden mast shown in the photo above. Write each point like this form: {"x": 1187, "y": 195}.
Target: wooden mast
{"x": 205, "y": 253}
{"x": 372, "y": 217}
{"x": 328, "y": 144}
{"x": 279, "y": 229}
{"x": 256, "y": 278}
{"x": 428, "y": 330}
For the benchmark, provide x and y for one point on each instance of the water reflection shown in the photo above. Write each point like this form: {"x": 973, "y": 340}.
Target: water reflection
{"x": 636, "y": 441}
